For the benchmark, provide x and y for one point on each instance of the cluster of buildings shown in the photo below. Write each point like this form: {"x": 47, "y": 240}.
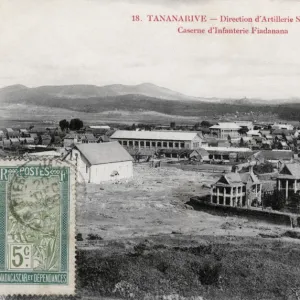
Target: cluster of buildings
{"x": 13, "y": 139}
{"x": 102, "y": 154}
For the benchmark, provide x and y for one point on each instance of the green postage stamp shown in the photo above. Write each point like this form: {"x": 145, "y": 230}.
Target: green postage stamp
{"x": 37, "y": 227}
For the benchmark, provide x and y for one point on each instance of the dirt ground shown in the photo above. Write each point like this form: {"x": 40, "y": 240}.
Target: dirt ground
{"x": 153, "y": 203}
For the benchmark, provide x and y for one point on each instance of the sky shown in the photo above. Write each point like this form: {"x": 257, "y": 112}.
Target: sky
{"x": 57, "y": 42}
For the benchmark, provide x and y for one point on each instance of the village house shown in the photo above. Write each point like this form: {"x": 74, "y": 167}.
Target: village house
{"x": 253, "y": 133}
{"x": 200, "y": 155}
{"x": 38, "y": 130}
{"x": 158, "y": 139}
{"x": 97, "y": 130}
{"x": 276, "y": 157}
{"x": 103, "y": 139}
{"x": 288, "y": 179}
{"x": 283, "y": 126}
{"x": 24, "y": 133}
{"x": 225, "y": 154}
{"x": 45, "y": 139}
{"x": 237, "y": 189}
{"x": 35, "y": 137}
{"x": 10, "y": 133}
{"x": 29, "y": 140}
{"x": 87, "y": 138}
{"x": 70, "y": 139}
{"x": 99, "y": 162}
{"x": 6, "y": 144}
{"x": 223, "y": 130}
{"x": 247, "y": 125}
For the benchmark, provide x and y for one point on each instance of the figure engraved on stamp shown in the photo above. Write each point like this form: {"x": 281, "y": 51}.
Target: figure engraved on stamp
{"x": 34, "y": 208}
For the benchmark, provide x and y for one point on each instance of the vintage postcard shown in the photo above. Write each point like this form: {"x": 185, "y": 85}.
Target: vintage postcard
{"x": 37, "y": 252}
{"x": 170, "y": 128}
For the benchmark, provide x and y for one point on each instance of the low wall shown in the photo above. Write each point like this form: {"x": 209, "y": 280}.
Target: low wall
{"x": 291, "y": 220}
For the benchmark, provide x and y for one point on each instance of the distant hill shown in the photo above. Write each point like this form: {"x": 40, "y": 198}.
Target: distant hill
{"x": 142, "y": 97}
{"x": 88, "y": 91}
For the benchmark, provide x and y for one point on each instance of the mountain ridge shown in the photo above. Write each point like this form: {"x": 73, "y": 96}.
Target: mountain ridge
{"x": 74, "y": 91}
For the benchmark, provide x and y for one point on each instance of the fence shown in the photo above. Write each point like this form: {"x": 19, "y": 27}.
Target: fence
{"x": 274, "y": 217}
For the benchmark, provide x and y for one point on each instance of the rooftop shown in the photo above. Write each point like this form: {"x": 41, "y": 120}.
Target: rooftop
{"x": 227, "y": 149}
{"x": 226, "y": 125}
{"x": 291, "y": 169}
{"x": 277, "y": 154}
{"x": 103, "y": 153}
{"x": 155, "y": 135}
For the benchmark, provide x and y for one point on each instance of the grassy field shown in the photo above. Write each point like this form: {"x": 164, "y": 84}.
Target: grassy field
{"x": 153, "y": 202}
{"x": 141, "y": 241}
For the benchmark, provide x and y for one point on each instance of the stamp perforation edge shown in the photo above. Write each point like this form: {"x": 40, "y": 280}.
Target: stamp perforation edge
{"x": 51, "y": 289}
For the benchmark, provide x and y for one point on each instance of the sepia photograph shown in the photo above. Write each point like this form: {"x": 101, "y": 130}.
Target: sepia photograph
{"x": 149, "y": 150}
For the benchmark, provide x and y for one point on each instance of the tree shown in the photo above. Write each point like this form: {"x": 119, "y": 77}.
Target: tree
{"x": 172, "y": 125}
{"x": 197, "y": 125}
{"x": 242, "y": 143}
{"x": 243, "y": 130}
{"x": 229, "y": 138}
{"x": 276, "y": 200}
{"x": 76, "y": 124}
{"x": 64, "y": 124}
{"x": 205, "y": 124}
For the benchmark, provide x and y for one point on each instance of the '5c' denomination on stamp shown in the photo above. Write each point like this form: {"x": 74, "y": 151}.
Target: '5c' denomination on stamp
{"x": 37, "y": 227}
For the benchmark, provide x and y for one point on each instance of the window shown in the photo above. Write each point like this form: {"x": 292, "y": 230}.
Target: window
{"x": 227, "y": 201}
{"x": 153, "y": 144}
{"x": 181, "y": 145}
{"x": 125, "y": 143}
{"x": 158, "y": 144}
{"x": 136, "y": 143}
{"x": 214, "y": 199}
{"x": 142, "y": 143}
{"x": 196, "y": 145}
{"x": 147, "y": 144}
{"x": 221, "y": 200}
{"x": 130, "y": 143}
{"x": 176, "y": 145}
{"x": 165, "y": 144}
{"x": 170, "y": 144}
{"x": 86, "y": 169}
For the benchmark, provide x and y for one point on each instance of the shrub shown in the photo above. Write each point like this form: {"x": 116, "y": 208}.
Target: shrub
{"x": 208, "y": 273}
{"x": 264, "y": 168}
{"x": 79, "y": 237}
{"x": 276, "y": 200}
{"x": 94, "y": 237}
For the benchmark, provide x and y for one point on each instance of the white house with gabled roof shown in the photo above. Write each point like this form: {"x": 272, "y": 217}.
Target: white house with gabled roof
{"x": 100, "y": 162}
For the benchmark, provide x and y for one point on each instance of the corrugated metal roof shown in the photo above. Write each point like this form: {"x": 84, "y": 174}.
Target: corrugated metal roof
{"x": 228, "y": 149}
{"x": 103, "y": 153}
{"x": 154, "y": 135}
{"x": 225, "y": 126}
{"x": 277, "y": 154}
